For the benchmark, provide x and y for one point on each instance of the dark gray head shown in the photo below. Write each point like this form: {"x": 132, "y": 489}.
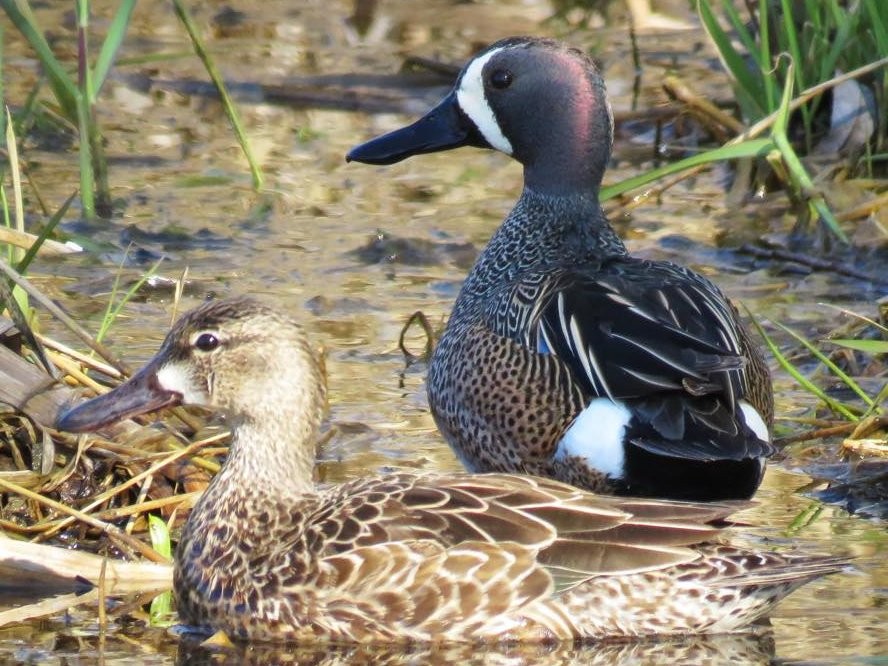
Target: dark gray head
{"x": 537, "y": 100}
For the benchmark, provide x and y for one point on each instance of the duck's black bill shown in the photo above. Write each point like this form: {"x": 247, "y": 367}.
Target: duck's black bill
{"x": 443, "y": 128}
{"x": 140, "y": 394}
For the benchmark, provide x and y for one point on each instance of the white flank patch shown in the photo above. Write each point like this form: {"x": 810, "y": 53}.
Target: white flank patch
{"x": 755, "y": 421}
{"x": 597, "y": 436}
{"x": 473, "y": 102}
{"x": 174, "y": 378}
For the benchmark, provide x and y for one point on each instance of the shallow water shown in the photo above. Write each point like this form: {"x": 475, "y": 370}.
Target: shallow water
{"x": 320, "y": 242}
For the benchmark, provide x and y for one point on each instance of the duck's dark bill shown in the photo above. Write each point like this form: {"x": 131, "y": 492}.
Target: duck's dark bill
{"x": 442, "y": 128}
{"x": 139, "y": 395}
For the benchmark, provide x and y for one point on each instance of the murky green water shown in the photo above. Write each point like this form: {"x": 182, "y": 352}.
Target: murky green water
{"x": 176, "y": 166}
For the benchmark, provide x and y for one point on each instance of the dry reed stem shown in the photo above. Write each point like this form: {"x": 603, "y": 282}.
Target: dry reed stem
{"x": 866, "y": 447}
{"x": 111, "y": 492}
{"x": 72, "y": 368}
{"x": 816, "y": 433}
{"x": 146, "y": 438}
{"x": 112, "y": 531}
{"x": 37, "y": 565}
{"x": 84, "y": 360}
{"x": 869, "y": 425}
{"x": 45, "y": 607}
{"x": 140, "y": 499}
{"x": 60, "y": 314}
{"x": 24, "y": 240}
{"x": 176, "y": 501}
{"x": 865, "y": 209}
{"x": 103, "y": 616}
{"x": 712, "y": 116}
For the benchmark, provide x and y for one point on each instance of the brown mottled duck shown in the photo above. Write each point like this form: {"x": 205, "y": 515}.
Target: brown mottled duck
{"x": 265, "y": 555}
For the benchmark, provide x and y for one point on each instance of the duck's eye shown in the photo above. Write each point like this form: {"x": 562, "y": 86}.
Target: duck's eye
{"x": 501, "y": 79}
{"x": 206, "y": 342}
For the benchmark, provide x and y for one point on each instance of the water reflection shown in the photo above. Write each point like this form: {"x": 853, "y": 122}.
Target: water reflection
{"x": 729, "y": 649}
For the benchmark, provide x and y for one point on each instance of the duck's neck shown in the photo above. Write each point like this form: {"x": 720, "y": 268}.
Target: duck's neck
{"x": 286, "y": 463}
{"x": 272, "y": 453}
{"x": 545, "y": 231}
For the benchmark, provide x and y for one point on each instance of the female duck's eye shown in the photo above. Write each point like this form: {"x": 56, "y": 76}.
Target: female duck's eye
{"x": 501, "y": 78}
{"x": 206, "y": 342}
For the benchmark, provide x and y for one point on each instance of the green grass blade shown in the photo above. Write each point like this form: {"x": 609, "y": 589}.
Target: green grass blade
{"x": 790, "y": 44}
{"x": 796, "y": 374}
{"x": 112, "y": 311}
{"x": 84, "y": 113}
{"x": 792, "y": 38}
{"x": 878, "y": 23}
{"x": 781, "y": 119}
{"x": 748, "y": 84}
{"x": 94, "y": 190}
{"x": 227, "y": 103}
{"x": 746, "y": 37}
{"x": 798, "y": 174}
{"x": 18, "y": 199}
{"x": 881, "y": 397}
{"x": 161, "y": 610}
{"x": 2, "y": 89}
{"x": 48, "y": 228}
{"x": 7, "y": 220}
{"x": 832, "y": 367}
{"x": 867, "y": 346}
{"x": 160, "y": 536}
{"x": 804, "y": 518}
{"x": 63, "y": 87}
{"x": 83, "y": 71}
{"x": 87, "y": 181}
{"x": 111, "y": 45}
{"x": 765, "y": 57}
{"x": 837, "y": 45}
{"x": 745, "y": 149}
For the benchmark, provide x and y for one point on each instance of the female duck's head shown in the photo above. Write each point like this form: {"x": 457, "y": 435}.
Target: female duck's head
{"x": 236, "y": 355}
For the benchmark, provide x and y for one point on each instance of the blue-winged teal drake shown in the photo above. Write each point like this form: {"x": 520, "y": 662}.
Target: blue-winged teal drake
{"x": 264, "y": 555}
{"x": 564, "y": 356}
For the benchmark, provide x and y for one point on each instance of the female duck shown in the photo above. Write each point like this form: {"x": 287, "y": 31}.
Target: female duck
{"x": 564, "y": 356}
{"x": 266, "y": 556}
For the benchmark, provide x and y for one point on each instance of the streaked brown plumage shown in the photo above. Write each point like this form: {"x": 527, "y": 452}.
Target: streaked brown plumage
{"x": 266, "y": 556}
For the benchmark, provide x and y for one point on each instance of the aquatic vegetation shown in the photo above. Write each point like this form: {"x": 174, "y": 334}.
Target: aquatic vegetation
{"x": 77, "y": 94}
{"x": 820, "y": 37}
{"x": 825, "y": 54}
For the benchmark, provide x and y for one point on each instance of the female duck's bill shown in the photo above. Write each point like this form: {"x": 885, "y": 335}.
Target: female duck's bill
{"x": 142, "y": 393}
